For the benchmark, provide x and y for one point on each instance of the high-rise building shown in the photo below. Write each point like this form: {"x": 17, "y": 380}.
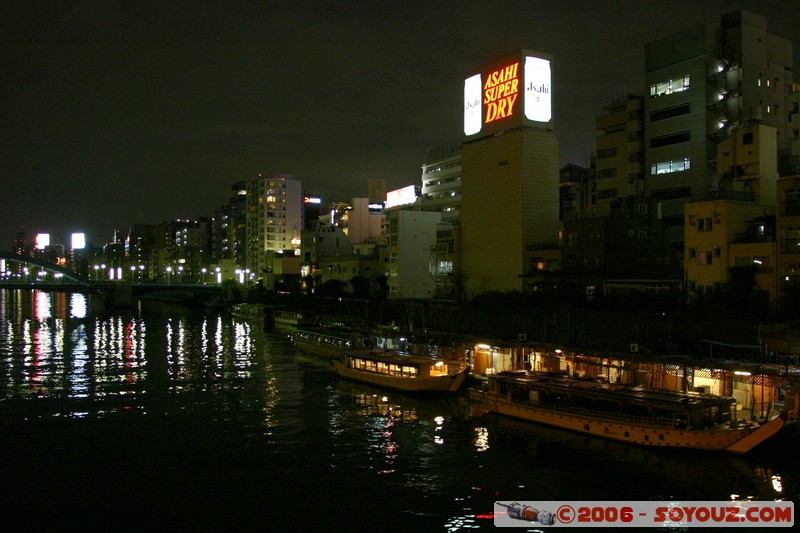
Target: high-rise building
{"x": 274, "y": 221}
{"x": 376, "y": 191}
{"x": 509, "y": 171}
{"x": 701, "y": 82}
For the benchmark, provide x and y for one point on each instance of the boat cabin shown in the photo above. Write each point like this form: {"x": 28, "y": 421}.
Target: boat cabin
{"x": 609, "y": 400}
{"x": 406, "y": 366}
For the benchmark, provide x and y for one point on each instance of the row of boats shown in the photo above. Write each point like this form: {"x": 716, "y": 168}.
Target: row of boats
{"x": 633, "y": 414}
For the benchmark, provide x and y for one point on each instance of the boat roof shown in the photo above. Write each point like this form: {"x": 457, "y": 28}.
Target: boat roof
{"x": 629, "y": 394}
{"x": 329, "y": 331}
{"x": 400, "y": 358}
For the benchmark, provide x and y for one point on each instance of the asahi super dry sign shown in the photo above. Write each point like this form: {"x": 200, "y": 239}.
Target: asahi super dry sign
{"x": 508, "y": 93}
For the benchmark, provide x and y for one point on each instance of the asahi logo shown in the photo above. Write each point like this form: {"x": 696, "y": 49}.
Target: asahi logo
{"x": 538, "y": 100}
{"x": 500, "y": 92}
{"x": 472, "y": 105}
{"x": 539, "y": 89}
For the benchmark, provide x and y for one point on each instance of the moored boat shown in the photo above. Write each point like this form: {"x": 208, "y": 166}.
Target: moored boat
{"x": 637, "y": 415}
{"x": 248, "y": 310}
{"x": 407, "y": 373}
{"x": 329, "y": 342}
{"x": 285, "y": 317}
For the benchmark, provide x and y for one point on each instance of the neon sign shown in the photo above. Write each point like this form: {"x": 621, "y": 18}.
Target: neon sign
{"x": 510, "y": 92}
{"x": 500, "y": 92}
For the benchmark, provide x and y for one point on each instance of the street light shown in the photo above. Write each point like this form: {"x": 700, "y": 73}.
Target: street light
{"x": 203, "y": 270}
{"x": 133, "y": 273}
{"x": 180, "y": 272}
{"x": 169, "y": 274}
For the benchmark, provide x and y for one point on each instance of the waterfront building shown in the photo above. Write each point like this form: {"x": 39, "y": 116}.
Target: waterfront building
{"x": 623, "y": 251}
{"x": 273, "y": 225}
{"x": 509, "y": 170}
{"x": 788, "y": 237}
{"x": 410, "y": 235}
{"x": 229, "y": 233}
{"x": 725, "y": 238}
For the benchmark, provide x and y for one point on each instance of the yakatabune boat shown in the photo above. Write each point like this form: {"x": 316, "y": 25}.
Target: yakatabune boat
{"x": 408, "y": 373}
{"x": 328, "y": 342}
{"x": 661, "y": 418}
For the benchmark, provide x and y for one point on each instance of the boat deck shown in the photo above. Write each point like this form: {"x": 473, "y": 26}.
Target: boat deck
{"x": 664, "y": 399}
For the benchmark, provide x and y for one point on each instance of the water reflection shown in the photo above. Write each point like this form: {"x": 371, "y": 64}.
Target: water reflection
{"x": 204, "y": 400}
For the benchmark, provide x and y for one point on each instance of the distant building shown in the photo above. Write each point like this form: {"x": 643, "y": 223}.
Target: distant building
{"x": 410, "y": 234}
{"x": 441, "y": 183}
{"x": 376, "y": 190}
{"x": 274, "y": 222}
{"x": 574, "y": 191}
{"x": 359, "y": 220}
{"x": 620, "y": 154}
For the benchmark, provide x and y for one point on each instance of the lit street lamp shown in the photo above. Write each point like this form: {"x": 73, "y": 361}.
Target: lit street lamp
{"x": 169, "y": 274}
{"x": 203, "y": 270}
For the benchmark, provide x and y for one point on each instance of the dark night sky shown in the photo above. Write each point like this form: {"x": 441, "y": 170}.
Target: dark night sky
{"x": 116, "y": 113}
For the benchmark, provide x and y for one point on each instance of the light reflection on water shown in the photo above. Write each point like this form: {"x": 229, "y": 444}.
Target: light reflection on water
{"x": 203, "y": 402}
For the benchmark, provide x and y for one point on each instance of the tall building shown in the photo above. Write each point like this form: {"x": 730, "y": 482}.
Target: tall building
{"x": 509, "y": 171}
{"x": 274, "y": 221}
{"x": 441, "y": 182}
{"x": 376, "y": 191}
{"x": 411, "y": 235}
{"x": 701, "y": 82}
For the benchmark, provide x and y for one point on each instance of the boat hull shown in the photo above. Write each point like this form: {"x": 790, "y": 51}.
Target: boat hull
{"x": 318, "y": 348}
{"x": 438, "y": 384}
{"x": 735, "y": 440}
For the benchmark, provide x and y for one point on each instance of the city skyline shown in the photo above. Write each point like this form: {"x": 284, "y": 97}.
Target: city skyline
{"x": 124, "y": 115}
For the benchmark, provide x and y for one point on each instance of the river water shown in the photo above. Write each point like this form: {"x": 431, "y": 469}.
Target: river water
{"x": 162, "y": 416}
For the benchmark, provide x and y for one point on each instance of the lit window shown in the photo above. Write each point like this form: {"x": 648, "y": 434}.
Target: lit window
{"x": 669, "y": 87}
{"x": 667, "y": 167}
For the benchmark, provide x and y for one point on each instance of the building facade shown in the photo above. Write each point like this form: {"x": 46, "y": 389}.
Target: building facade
{"x": 274, "y": 221}
{"x": 410, "y": 236}
{"x": 701, "y": 82}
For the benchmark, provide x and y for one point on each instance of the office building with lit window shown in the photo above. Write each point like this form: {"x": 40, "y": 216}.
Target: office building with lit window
{"x": 701, "y": 82}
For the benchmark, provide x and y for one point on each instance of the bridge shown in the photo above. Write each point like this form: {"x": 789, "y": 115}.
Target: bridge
{"x": 70, "y": 275}
{"x": 118, "y": 292}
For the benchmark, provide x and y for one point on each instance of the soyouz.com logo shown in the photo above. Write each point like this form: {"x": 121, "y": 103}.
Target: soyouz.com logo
{"x": 746, "y": 514}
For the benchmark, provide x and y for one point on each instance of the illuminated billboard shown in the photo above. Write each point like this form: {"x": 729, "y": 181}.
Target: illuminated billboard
{"x": 78, "y": 241}
{"x": 514, "y": 91}
{"x": 42, "y": 241}
{"x": 406, "y": 195}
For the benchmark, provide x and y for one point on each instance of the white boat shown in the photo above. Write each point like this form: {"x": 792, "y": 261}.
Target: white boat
{"x": 329, "y": 342}
{"x": 284, "y": 317}
{"x": 247, "y": 310}
{"x": 407, "y": 373}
